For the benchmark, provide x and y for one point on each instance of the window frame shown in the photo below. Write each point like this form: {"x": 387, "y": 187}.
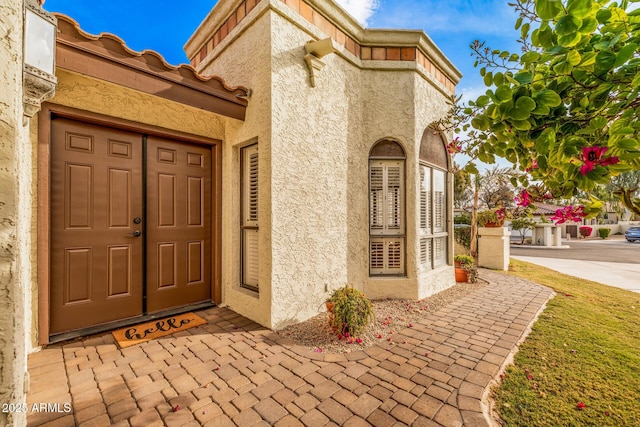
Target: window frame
{"x": 391, "y": 241}
{"x": 249, "y": 217}
{"x": 428, "y": 236}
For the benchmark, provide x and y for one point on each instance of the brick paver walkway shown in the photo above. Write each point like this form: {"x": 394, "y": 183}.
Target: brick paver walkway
{"x": 234, "y": 372}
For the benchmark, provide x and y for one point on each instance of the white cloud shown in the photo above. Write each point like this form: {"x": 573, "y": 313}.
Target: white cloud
{"x": 361, "y": 10}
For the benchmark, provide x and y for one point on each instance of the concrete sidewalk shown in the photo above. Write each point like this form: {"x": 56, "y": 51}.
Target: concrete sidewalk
{"x": 234, "y": 372}
{"x": 620, "y": 275}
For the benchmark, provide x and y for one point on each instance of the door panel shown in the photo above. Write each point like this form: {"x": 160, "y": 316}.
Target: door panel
{"x": 96, "y": 191}
{"x": 178, "y": 224}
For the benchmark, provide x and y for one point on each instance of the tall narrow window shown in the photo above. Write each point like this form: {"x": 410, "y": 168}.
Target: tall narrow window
{"x": 433, "y": 201}
{"x": 386, "y": 209}
{"x": 249, "y": 222}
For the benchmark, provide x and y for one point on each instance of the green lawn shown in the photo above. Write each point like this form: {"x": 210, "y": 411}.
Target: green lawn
{"x": 580, "y": 366}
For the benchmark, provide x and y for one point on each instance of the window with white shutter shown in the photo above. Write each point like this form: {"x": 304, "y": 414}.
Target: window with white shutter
{"x": 386, "y": 210}
{"x": 433, "y": 217}
{"x": 434, "y": 162}
{"x": 249, "y": 222}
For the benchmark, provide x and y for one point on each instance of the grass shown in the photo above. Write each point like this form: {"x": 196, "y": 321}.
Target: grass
{"x": 580, "y": 366}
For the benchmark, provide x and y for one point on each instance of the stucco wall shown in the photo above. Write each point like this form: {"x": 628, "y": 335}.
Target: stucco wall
{"x": 312, "y": 130}
{"x": 430, "y": 106}
{"x": 15, "y": 202}
{"x": 94, "y": 95}
{"x": 314, "y": 148}
{"x": 247, "y": 63}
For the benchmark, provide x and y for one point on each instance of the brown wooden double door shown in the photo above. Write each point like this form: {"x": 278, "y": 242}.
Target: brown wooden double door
{"x": 130, "y": 224}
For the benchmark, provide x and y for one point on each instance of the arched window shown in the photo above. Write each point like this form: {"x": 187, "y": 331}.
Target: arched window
{"x": 434, "y": 163}
{"x": 386, "y": 209}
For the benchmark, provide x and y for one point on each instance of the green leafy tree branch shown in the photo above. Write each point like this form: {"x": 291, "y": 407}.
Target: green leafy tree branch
{"x": 565, "y": 110}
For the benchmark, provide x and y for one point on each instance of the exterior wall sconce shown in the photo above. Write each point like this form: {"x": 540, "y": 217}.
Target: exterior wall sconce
{"x": 316, "y": 50}
{"x": 38, "y": 70}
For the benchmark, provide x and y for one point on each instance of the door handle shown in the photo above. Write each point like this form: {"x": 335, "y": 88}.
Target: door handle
{"x": 136, "y": 233}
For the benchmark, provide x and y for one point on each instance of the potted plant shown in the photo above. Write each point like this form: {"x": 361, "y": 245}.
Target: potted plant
{"x": 352, "y": 311}
{"x": 464, "y": 265}
{"x": 492, "y": 217}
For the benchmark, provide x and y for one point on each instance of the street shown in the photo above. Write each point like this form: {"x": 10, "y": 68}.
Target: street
{"x": 613, "y": 249}
{"x": 613, "y": 262}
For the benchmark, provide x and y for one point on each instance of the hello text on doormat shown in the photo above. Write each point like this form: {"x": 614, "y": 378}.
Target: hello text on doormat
{"x": 143, "y": 332}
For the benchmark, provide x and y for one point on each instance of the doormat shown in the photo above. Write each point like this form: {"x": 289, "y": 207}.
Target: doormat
{"x": 137, "y": 334}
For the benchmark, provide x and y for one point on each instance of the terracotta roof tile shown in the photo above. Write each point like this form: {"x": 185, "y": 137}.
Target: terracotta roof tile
{"x": 108, "y": 44}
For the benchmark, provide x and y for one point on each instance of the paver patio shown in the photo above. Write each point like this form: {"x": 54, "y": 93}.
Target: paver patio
{"x": 235, "y": 372}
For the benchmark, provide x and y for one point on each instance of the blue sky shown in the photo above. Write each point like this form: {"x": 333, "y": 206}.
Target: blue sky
{"x": 453, "y": 24}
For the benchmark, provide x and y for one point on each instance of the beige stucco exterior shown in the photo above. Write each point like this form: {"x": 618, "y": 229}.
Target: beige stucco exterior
{"x": 314, "y": 144}
{"x": 15, "y": 216}
{"x": 111, "y": 100}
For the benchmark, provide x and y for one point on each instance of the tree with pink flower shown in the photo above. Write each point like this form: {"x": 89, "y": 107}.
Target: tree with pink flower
{"x": 566, "y": 110}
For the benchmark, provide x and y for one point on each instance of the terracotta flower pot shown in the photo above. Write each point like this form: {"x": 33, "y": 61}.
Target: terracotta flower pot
{"x": 493, "y": 224}
{"x": 462, "y": 275}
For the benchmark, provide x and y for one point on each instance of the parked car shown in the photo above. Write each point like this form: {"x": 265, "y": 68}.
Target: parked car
{"x": 632, "y": 234}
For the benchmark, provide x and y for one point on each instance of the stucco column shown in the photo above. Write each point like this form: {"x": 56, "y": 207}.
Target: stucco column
{"x": 493, "y": 248}
{"x": 14, "y": 146}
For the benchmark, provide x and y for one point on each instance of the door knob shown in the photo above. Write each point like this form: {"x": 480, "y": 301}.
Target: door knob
{"x": 137, "y": 233}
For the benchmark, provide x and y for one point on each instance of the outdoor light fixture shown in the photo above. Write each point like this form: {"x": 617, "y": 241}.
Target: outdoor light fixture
{"x": 316, "y": 50}
{"x": 38, "y": 69}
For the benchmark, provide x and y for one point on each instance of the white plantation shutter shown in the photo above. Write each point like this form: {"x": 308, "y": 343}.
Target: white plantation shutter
{"x": 386, "y": 216}
{"x": 425, "y": 199}
{"x": 376, "y": 198}
{"x": 250, "y": 186}
{"x": 249, "y": 223}
{"x": 439, "y": 202}
{"x": 387, "y": 255}
{"x": 440, "y": 251}
{"x": 425, "y": 217}
{"x": 433, "y": 218}
{"x": 386, "y": 197}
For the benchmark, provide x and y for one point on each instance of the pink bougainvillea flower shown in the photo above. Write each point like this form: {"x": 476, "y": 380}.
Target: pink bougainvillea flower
{"x": 359, "y": 341}
{"x": 534, "y": 165}
{"x": 453, "y": 147}
{"x": 501, "y": 213}
{"x": 593, "y": 156}
{"x": 410, "y": 325}
{"x": 379, "y": 336}
{"x": 176, "y": 408}
{"x": 581, "y": 405}
{"x": 568, "y": 213}
{"x": 318, "y": 350}
{"x": 523, "y": 199}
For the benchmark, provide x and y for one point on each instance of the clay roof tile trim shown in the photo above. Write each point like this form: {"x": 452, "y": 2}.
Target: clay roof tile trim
{"x": 69, "y": 28}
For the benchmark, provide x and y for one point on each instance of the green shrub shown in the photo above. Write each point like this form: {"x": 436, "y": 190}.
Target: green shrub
{"x": 604, "y": 232}
{"x": 352, "y": 311}
{"x": 462, "y": 234}
{"x": 464, "y": 260}
{"x": 463, "y": 218}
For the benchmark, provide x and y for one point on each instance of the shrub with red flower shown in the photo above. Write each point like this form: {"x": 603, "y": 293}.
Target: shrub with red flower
{"x": 585, "y": 231}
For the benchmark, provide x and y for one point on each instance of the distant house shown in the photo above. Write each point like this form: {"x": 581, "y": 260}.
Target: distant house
{"x": 142, "y": 188}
